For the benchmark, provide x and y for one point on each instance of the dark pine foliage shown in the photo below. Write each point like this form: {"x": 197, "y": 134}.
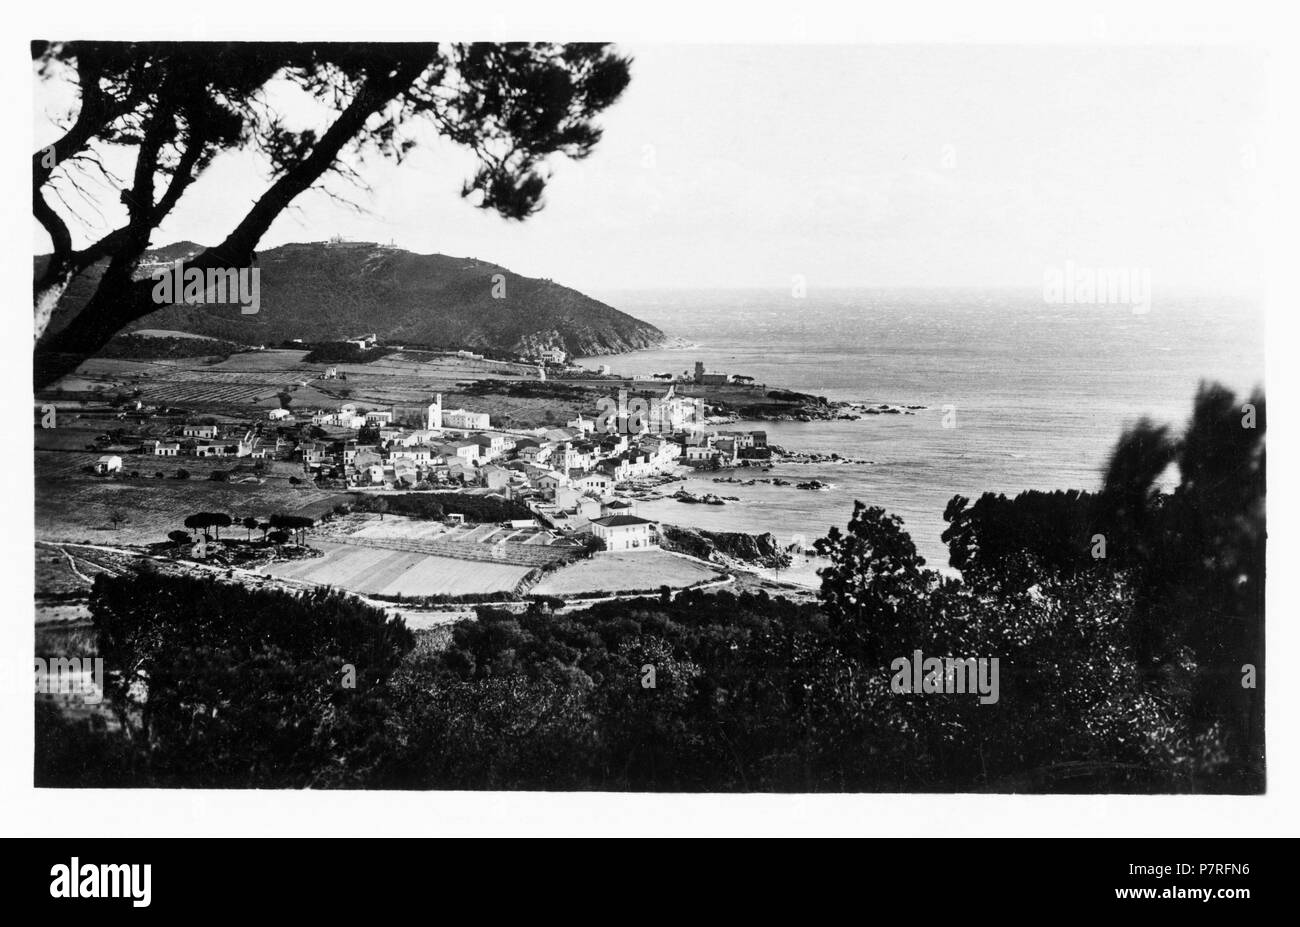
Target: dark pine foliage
{"x": 218, "y": 686}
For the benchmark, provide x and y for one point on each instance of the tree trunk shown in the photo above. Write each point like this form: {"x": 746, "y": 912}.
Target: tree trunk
{"x": 47, "y": 296}
{"x": 114, "y": 305}
{"x": 120, "y": 300}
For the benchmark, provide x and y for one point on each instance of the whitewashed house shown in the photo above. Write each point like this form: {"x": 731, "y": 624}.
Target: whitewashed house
{"x": 626, "y": 532}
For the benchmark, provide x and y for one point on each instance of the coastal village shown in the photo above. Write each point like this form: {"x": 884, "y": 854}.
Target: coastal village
{"x": 418, "y": 501}
{"x": 583, "y": 477}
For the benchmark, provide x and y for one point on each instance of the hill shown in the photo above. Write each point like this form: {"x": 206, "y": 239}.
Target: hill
{"x": 326, "y": 291}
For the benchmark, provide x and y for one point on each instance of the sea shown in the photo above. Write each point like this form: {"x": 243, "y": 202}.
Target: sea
{"x": 1035, "y": 394}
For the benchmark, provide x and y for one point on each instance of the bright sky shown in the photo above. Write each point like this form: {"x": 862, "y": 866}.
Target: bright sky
{"x": 733, "y": 166}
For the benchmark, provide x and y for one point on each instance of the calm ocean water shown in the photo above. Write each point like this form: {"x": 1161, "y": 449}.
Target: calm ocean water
{"x": 1041, "y": 392}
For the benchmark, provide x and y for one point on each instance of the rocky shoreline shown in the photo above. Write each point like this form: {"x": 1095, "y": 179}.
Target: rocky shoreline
{"x": 726, "y": 547}
{"x": 781, "y": 455}
{"x": 832, "y": 411}
{"x": 708, "y": 498}
{"x": 772, "y": 481}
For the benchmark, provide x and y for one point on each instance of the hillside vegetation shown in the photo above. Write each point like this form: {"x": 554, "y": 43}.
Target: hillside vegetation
{"x": 328, "y": 291}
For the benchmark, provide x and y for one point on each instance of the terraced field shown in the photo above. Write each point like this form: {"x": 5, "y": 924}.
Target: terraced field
{"x": 488, "y": 543}
{"x": 399, "y": 528}
{"x": 205, "y": 392}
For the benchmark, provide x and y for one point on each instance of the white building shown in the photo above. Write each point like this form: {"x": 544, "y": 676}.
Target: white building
{"x": 550, "y": 481}
{"x": 464, "y": 452}
{"x": 110, "y": 463}
{"x": 413, "y": 438}
{"x": 276, "y": 415}
{"x": 341, "y": 419}
{"x": 492, "y": 445}
{"x": 626, "y": 532}
{"x": 166, "y": 450}
{"x": 537, "y": 455}
{"x": 594, "y": 483}
{"x": 583, "y": 425}
{"x": 701, "y": 452}
{"x": 572, "y": 458}
{"x": 663, "y": 454}
{"x": 418, "y": 453}
{"x": 495, "y": 477}
{"x": 630, "y": 466}
{"x": 464, "y": 420}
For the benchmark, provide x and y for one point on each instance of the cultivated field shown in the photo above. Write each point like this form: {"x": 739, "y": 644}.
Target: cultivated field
{"x": 165, "y": 382}
{"x": 380, "y": 571}
{"x": 402, "y": 528}
{"x": 615, "y": 572}
{"x": 164, "y": 333}
{"x": 243, "y": 383}
{"x": 241, "y": 380}
{"x": 487, "y": 542}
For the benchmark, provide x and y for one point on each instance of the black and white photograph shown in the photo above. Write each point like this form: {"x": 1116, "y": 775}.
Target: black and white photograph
{"x": 511, "y": 412}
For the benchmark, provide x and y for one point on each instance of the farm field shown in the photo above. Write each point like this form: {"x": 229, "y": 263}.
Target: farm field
{"x": 242, "y": 383}
{"x": 489, "y": 543}
{"x": 251, "y": 378}
{"x": 165, "y": 333}
{"x": 380, "y": 571}
{"x": 370, "y": 526}
{"x": 614, "y": 572}
{"x": 75, "y": 506}
{"x": 394, "y": 527}
{"x": 274, "y": 362}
